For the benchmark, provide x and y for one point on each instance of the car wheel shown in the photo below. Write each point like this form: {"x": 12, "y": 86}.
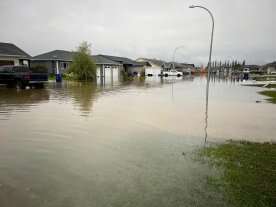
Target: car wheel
{"x": 20, "y": 85}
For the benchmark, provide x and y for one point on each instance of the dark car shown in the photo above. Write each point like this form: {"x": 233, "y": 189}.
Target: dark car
{"x": 21, "y": 76}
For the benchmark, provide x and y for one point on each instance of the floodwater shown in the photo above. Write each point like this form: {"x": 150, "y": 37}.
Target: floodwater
{"x": 121, "y": 144}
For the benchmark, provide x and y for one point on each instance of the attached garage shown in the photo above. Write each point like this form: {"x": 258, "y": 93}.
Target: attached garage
{"x": 107, "y": 70}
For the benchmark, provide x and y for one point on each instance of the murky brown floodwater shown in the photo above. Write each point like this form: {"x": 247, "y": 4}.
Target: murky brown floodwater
{"x": 121, "y": 145}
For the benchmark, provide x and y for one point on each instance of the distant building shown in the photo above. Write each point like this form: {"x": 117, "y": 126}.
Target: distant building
{"x": 252, "y": 68}
{"x": 61, "y": 60}
{"x": 270, "y": 68}
{"x": 10, "y": 54}
{"x": 181, "y": 67}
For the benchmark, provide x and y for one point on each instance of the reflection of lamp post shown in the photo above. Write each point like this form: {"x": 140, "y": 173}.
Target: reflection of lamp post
{"x": 209, "y": 63}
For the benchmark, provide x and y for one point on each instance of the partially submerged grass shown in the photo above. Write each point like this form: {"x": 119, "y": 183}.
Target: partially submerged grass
{"x": 248, "y": 172}
{"x": 271, "y": 94}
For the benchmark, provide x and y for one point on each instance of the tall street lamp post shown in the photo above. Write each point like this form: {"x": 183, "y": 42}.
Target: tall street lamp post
{"x": 174, "y": 52}
{"x": 209, "y": 64}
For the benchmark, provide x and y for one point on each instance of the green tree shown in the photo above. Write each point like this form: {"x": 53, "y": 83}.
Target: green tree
{"x": 83, "y": 67}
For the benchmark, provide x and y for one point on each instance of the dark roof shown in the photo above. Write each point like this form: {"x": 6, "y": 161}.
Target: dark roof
{"x": 177, "y": 65}
{"x": 9, "y": 49}
{"x": 252, "y": 66}
{"x": 273, "y": 64}
{"x": 153, "y": 61}
{"x": 55, "y": 55}
{"x": 64, "y": 55}
{"x": 187, "y": 65}
{"x": 145, "y": 63}
{"x": 99, "y": 59}
{"x": 122, "y": 60}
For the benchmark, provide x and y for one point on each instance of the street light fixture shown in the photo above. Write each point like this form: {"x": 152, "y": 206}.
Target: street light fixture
{"x": 209, "y": 63}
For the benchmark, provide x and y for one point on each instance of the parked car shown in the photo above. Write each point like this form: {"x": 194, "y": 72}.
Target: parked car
{"x": 246, "y": 70}
{"x": 153, "y": 71}
{"x": 172, "y": 73}
{"x": 21, "y": 76}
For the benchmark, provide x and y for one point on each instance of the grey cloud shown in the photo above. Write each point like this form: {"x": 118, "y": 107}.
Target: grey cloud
{"x": 145, "y": 28}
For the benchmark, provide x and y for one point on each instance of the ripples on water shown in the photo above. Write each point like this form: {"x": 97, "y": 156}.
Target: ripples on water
{"x": 77, "y": 144}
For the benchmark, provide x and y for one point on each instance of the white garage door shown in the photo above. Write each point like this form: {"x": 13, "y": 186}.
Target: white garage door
{"x": 107, "y": 71}
{"x": 115, "y": 73}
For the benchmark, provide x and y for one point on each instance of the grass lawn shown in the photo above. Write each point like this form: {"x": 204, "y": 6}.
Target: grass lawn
{"x": 248, "y": 172}
{"x": 270, "y": 94}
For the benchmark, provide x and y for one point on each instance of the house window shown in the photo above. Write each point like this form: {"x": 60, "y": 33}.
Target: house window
{"x": 65, "y": 65}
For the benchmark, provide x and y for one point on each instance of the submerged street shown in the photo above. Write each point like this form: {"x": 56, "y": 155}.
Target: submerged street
{"x": 122, "y": 144}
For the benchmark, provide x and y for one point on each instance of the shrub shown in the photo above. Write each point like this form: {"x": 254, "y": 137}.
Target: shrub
{"x": 83, "y": 67}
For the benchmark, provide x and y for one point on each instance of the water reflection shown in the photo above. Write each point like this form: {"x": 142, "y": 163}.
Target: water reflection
{"x": 20, "y": 100}
{"x": 84, "y": 95}
{"x": 128, "y": 149}
{"x": 178, "y": 100}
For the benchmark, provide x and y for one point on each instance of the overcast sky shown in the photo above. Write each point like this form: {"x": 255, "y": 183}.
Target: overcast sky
{"x": 245, "y": 29}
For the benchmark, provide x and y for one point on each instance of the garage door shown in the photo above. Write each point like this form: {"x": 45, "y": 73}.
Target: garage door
{"x": 107, "y": 71}
{"x": 115, "y": 73}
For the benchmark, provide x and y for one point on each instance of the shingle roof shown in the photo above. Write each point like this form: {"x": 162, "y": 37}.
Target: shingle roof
{"x": 99, "y": 59}
{"x": 122, "y": 60}
{"x": 64, "y": 55}
{"x": 153, "y": 61}
{"x": 9, "y": 49}
{"x": 273, "y": 64}
{"x": 55, "y": 55}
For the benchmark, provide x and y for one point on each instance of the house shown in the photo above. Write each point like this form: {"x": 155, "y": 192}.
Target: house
{"x": 153, "y": 67}
{"x": 252, "y": 68}
{"x": 53, "y": 60}
{"x": 60, "y": 60}
{"x": 181, "y": 67}
{"x": 270, "y": 68}
{"x": 10, "y": 54}
{"x": 129, "y": 66}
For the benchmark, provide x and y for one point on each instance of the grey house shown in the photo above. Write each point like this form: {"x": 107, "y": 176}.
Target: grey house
{"x": 129, "y": 66}
{"x": 61, "y": 60}
{"x": 53, "y": 61}
{"x": 10, "y": 54}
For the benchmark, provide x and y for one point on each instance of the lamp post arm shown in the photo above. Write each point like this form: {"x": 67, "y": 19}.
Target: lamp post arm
{"x": 212, "y": 34}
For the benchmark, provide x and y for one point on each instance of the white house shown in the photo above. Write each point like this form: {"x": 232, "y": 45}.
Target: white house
{"x": 153, "y": 67}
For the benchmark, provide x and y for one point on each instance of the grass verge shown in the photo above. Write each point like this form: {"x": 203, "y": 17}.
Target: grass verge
{"x": 248, "y": 172}
{"x": 270, "y": 94}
